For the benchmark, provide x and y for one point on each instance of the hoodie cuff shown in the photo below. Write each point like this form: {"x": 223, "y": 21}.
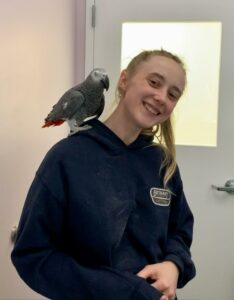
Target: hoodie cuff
{"x": 146, "y": 292}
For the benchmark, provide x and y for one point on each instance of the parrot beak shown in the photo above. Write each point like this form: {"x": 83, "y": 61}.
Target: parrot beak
{"x": 106, "y": 82}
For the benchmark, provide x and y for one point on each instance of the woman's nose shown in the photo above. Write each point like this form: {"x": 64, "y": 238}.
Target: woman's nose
{"x": 160, "y": 96}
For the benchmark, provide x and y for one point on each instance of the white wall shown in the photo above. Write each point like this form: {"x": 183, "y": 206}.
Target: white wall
{"x": 41, "y": 55}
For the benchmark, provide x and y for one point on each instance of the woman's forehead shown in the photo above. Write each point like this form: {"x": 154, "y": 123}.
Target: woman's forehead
{"x": 164, "y": 66}
{"x": 160, "y": 62}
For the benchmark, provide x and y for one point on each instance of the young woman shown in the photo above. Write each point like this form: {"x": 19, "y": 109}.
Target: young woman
{"x": 106, "y": 217}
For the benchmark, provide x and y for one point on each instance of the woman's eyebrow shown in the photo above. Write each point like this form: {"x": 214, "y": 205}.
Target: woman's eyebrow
{"x": 158, "y": 75}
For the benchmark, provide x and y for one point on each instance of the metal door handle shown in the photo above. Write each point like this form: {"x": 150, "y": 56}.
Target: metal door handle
{"x": 228, "y": 187}
{"x": 13, "y": 233}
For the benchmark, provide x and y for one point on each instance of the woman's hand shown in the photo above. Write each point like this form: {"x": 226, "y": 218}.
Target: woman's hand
{"x": 163, "y": 276}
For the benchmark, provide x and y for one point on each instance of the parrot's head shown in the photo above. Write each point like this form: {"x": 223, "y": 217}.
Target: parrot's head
{"x": 99, "y": 75}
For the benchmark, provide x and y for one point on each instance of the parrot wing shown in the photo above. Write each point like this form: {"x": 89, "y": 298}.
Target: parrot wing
{"x": 67, "y": 106}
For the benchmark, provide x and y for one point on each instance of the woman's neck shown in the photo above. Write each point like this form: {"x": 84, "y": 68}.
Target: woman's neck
{"x": 122, "y": 127}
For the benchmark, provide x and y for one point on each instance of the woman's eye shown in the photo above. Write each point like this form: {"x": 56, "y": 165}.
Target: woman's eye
{"x": 155, "y": 83}
{"x": 173, "y": 96}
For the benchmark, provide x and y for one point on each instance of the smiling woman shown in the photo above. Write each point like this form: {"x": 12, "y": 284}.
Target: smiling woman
{"x": 149, "y": 91}
{"x": 106, "y": 216}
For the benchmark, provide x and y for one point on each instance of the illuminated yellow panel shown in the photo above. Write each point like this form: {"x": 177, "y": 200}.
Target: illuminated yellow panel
{"x": 199, "y": 45}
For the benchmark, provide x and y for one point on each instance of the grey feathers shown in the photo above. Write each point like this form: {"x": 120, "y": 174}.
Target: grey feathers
{"x": 83, "y": 101}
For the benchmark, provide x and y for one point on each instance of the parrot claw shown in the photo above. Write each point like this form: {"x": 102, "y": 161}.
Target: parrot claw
{"x": 82, "y": 128}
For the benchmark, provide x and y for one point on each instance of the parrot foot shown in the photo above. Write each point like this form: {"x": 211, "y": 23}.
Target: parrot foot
{"x": 82, "y": 128}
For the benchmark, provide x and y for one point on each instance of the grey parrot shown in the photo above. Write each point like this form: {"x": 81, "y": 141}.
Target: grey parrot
{"x": 82, "y": 101}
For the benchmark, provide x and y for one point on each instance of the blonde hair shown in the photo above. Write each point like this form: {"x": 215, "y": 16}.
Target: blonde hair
{"x": 162, "y": 132}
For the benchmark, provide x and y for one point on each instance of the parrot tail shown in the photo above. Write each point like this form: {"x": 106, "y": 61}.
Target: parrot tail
{"x": 53, "y": 123}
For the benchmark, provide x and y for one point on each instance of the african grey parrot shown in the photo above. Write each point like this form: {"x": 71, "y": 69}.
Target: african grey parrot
{"x": 80, "y": 102}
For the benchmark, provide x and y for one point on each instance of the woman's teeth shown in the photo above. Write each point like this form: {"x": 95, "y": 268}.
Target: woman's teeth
{"x": 151, "y": 109}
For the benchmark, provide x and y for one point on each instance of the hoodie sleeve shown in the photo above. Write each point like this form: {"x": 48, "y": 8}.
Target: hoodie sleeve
{"x": 180, "y": 234}
{"x": 56, "y": 274}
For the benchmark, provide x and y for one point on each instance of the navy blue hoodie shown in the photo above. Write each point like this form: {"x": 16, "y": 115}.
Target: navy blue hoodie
{"x": 96, "y": 214}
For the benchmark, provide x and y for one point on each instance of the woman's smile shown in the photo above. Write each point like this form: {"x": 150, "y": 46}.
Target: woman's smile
{"x": 151, "y": 108}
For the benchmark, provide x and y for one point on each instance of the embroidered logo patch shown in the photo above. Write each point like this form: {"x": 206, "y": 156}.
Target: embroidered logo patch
{"x": 160, "y": 197}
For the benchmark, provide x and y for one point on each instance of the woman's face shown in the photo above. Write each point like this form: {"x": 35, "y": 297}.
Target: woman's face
{"x": 151, "y": 93}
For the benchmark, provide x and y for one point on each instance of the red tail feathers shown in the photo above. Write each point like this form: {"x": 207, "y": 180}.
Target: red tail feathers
{"x": 53, "y": 123}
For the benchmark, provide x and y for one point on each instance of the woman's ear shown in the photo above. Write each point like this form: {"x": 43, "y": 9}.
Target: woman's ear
{"x": 122, "y": 84}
